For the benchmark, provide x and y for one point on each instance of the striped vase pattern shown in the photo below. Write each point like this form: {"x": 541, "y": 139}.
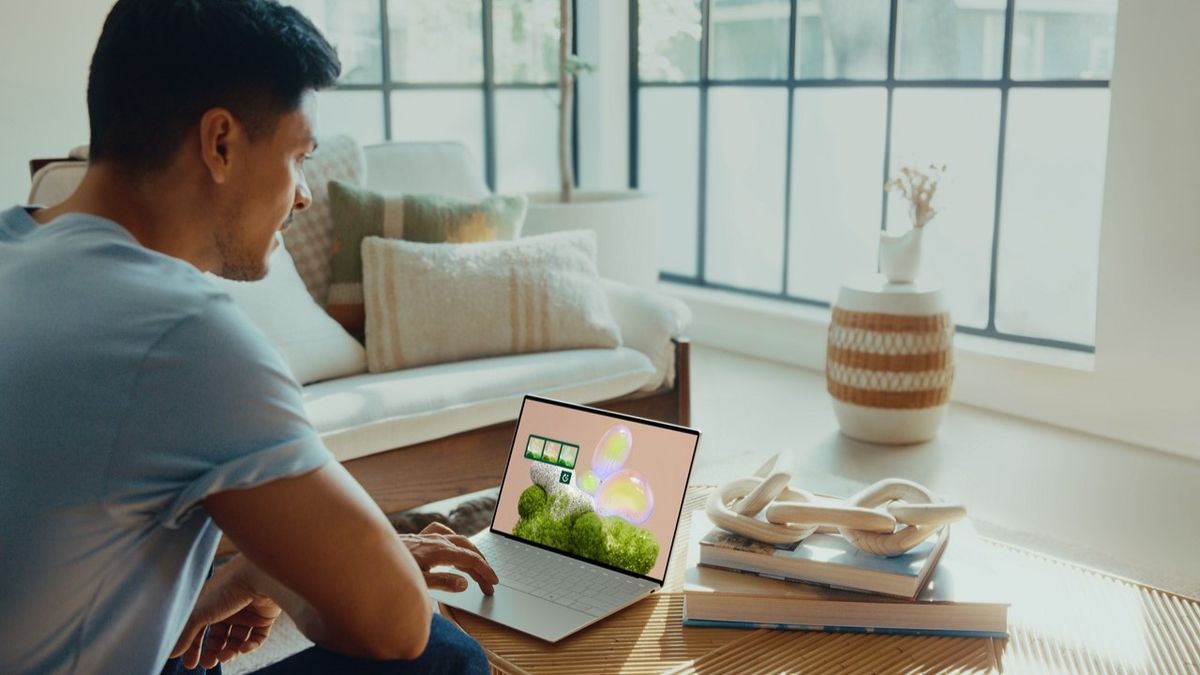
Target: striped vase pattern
{"x": 890, "y": 361}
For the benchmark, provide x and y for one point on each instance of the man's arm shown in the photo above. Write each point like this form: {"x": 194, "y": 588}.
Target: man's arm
{"x": 341, "y": 571}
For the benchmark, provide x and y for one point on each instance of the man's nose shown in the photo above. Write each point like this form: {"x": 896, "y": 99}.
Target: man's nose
{"x": 303, "y": 197}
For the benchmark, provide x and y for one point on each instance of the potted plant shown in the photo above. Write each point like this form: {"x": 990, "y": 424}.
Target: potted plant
{"x": 625, "y": 221}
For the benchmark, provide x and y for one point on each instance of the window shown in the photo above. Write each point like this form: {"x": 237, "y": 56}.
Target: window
{"x": 481, "y": 72}
{"x": 768, "y": 128}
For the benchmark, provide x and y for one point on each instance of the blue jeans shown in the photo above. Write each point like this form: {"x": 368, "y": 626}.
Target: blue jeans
{"x": 449, "y": 651}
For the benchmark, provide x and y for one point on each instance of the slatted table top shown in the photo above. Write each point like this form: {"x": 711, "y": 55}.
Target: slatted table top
{"x": 1063, "y": 619}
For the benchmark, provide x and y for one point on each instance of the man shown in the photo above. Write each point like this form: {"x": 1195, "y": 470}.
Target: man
{"x": 141, "y": 411}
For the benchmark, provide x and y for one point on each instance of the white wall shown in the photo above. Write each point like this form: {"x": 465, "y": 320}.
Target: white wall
{"x": 45, "y": 49}
{"x": 1145, "y": 385}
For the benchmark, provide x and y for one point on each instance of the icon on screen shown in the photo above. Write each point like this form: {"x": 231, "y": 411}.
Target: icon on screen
{"x": 533, "y": 449}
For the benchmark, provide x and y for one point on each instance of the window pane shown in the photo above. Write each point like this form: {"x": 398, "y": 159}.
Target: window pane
{"x": 949, "y": 39}
{"x": 436, "y": 40}
{"x": 844, "y": 39}
{"x": 668, "y": 167}
{"x": 1068, "y": 40}
{"x": 351, "y": 26}
{"x": 958, "y": 128}
{"x": 358, "y": 114}
{"x": 1050, "y": 222}
{"x": 440, "y": 116}
{"x": 669, "y": 40}
{"x": 525, "y": 40}
{"x": 749, "y": 39}
{"x": 837, "y": 181}
{"x": 526, "y": 140}
{"x": 746, "y": 161}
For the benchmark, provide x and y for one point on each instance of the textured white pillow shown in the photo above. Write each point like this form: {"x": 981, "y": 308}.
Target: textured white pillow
{"x": 313, "y": 344}
{"x": 433, "y": 303}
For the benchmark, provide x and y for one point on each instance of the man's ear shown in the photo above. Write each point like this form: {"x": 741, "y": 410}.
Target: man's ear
{"x": 219, "y": 135}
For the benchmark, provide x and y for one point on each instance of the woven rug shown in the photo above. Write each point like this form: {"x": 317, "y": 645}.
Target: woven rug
{"x": 466, "y": 515}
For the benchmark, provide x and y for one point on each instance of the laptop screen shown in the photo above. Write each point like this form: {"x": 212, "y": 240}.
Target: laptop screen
{"x": 596, "y": 485}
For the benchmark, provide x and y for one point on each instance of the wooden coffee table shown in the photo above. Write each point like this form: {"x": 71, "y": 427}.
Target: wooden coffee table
{"x": 1064, "y": 619}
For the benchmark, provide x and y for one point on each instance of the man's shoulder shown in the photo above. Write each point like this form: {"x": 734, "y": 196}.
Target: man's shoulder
{"x": 92, "y": 258}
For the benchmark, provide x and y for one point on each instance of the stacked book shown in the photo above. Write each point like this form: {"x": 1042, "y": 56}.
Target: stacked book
{"x": 942, "y": 587}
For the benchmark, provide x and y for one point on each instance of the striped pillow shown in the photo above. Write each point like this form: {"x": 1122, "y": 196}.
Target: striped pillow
{"x": 434, "y": 303}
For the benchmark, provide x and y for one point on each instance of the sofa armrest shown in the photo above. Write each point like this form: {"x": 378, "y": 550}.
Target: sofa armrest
{"x": 648, "y": 322}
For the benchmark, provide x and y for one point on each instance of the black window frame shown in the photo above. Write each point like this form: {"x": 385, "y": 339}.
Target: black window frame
{"x": 488, "y": 86}
{"x": 890, "y": 83}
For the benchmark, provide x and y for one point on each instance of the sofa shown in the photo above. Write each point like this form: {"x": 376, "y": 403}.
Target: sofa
{"x": 428, "y": 433}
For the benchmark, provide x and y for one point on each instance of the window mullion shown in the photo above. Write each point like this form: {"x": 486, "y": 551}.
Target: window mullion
{"x": 787, "y": 171}
{"x": 1005, "y": 82}
{"x": 489, "y": 98}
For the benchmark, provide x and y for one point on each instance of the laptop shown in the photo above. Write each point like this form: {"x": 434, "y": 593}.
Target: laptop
{"x": 585, "y": 518}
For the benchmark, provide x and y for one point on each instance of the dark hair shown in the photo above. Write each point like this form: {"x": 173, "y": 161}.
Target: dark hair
{"x": 160, "y": 64}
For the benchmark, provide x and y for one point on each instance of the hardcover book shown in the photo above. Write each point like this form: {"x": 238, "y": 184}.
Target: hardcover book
{"x": 963, "y": 597}
{"x": 828, "y": 560}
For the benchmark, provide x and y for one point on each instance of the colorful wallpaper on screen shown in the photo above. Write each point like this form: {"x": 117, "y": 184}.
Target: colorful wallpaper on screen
{"x": 597, "y": 487}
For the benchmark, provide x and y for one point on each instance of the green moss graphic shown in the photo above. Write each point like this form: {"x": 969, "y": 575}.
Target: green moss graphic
{"x": 611, "y": 540}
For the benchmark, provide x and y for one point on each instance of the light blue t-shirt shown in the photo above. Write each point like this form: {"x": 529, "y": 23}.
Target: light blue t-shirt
{"x": 130, "y": 389}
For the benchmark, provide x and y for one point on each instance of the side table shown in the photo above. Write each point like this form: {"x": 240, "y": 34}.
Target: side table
{"x": 1092, "y": 623}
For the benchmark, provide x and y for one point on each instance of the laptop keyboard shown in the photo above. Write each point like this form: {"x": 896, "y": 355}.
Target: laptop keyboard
{"x": 557, "y": 578}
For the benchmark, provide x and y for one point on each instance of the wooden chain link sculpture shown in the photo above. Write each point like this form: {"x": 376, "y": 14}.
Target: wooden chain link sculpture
{"x": 888, "y": 518}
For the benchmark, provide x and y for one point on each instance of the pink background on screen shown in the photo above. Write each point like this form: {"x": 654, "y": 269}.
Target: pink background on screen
{"x": 663, "y": 456}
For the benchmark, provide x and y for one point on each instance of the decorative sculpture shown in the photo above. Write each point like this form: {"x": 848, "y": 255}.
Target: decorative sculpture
{"x": 888, "y": 518}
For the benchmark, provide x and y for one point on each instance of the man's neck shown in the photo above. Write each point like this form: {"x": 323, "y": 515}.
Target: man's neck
{"x": 155, "y": 213}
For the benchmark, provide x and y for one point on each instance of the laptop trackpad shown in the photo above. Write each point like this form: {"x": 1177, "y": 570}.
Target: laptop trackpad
{"x": 521, "y": 611}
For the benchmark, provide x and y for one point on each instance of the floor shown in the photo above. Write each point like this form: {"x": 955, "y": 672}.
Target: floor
{"x": 1126, "y": 510}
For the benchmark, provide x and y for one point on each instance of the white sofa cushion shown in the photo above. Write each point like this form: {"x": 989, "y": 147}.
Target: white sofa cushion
{"x": 367, "y": 414}
{"x": 649, "y": 321}
{"x": 445, "y": 169}
{"x": 314, "y": 346}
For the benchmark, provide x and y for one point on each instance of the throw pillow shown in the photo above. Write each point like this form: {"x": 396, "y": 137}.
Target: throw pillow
{"x": 433, "y": 303}
{"x": 314, "y": 346}
{"x": 359, "y": 213}
{"x": 310, "y": 237}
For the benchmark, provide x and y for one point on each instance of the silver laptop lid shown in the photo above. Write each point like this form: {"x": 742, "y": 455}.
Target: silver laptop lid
{"x": 596, "y": 485}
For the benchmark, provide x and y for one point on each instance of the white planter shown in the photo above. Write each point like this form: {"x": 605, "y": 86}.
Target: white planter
{"x": 626, "y": 226}
{"x": 890, "y": 363}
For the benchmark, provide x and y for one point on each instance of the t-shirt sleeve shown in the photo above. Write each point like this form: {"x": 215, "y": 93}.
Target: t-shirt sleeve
{"x": 214, "y": 408}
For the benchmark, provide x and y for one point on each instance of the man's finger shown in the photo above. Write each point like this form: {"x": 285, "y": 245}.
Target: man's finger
{"x": 218, "y": 636}
{"x": 471, "y": 563}
{"x": 191, "y": 657}
{"x": 437, "y": 528}
{"x": 445, "y": 581}
{"x": 464, "y": 542}
{"x": 190, "y": 632}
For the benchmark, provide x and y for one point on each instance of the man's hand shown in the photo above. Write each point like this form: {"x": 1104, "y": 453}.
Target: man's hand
{"x": 437, "y": 546}
{"x": 238, "y": 618}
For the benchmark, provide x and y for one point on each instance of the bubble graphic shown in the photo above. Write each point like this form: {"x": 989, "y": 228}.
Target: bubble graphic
{"x": 588, "y": 482}
{"x": 626, "y": 494}
{"x": 612, "y": 451}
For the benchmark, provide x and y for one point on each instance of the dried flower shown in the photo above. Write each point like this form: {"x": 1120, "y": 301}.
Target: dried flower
{"x": 918, "y": 187}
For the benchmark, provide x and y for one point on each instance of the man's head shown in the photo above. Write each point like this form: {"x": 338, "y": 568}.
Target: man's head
{"x": 220, "y": 93}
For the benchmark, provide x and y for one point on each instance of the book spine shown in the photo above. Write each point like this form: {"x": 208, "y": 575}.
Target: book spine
{"x": 750, "y": 625}
{"x": 725, "y": 566}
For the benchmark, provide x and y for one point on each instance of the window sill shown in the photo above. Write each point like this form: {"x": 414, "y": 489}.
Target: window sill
{"x": 713, "y": 306}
